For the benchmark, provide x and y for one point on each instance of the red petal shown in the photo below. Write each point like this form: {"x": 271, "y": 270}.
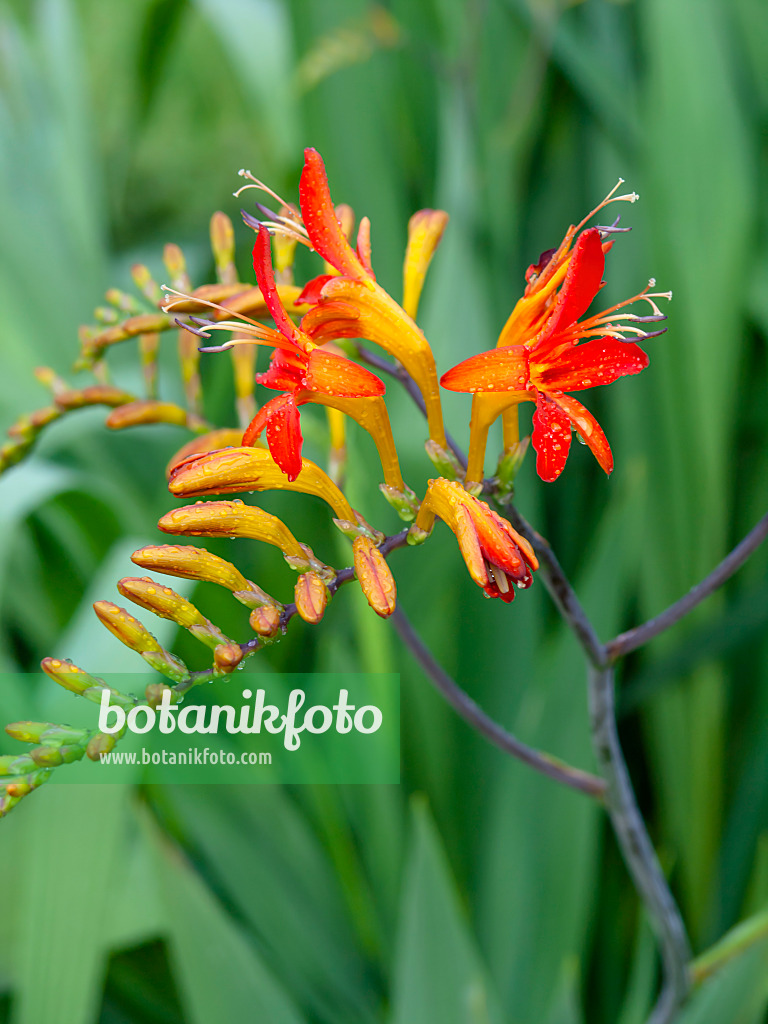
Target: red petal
{"x": 551, "y": 438}
{"x": 321, "y": 222}
{"x": 285, "y": 373}
{"x": 334, "y": 375}
{"x": 313, "y": 290}
{"x": 601, "y": 361}
{"x": 281, "y": 418}
{"x": 581, "y": 284}
{"x": 501, "y": 369}
{"x": 586, "y": 424}
{"x": 265, "y": 275}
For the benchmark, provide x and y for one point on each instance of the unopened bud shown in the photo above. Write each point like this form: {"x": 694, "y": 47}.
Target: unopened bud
{"x": 223, "y": 247}
{"x": 231, "y": 519}
{"x": 46, "y": 733}
{"x": 311, "y": 595}
{"x": 214, "y": 440}
{"x": 176, "y": 265}
{"x": 98, "y": 394}
{"x": 150, "y": 411}
{"x": 375, "y": 576}
{"x": 265, "y": 620}
{"x": 227, "y": 657}
{"x": 101, "y": 743}
{"x": 133, "y": 634}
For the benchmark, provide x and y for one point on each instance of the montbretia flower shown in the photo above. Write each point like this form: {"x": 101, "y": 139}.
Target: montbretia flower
{"x": 351, "y": 304}
{"x": 305, "y": 372}
{"x": 497, "y": 557}
{"x": 346, "y": 300}
{"x": 542, "y": 354}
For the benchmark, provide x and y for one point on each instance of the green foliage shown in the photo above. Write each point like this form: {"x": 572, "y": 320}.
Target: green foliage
{"x": 122, "y": 127}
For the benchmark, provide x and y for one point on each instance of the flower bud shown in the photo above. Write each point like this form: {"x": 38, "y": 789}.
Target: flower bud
{"x": 46, "y": 733}
{"x": 231, "y": 519}
{"x": 101, "y": 743}
{"x": 227, "y": 657}
{"x": 138, "y": 413}
{"x": 97, "y": 394}
{"x": 375, "y": 576}
{"x": 265, "y": 620}
{"x": 133, "y": 634}
{"x": 223, "y": 247}
{"x": 311, "y": 595}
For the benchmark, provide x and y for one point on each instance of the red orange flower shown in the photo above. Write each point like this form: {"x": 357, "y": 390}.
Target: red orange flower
{"x": 552, "y": 357}
{"x": 497, "y": 557}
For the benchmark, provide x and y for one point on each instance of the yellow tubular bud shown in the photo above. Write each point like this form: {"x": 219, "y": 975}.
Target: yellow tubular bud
{"x": 232, "y": 519}
{"x": 284, "y": 248}
{"x": 167, "y": 604}
{"x": 189, "y": 362}
{"x": 265, "y": 621}
{"x": 76, "y": 680}
{"x": 311, "y": 596}
{"x": 146, "y": 285}
{"x": 149, "y": 345}
{"x": 223, "y": 247}
{"x": 244, "y": 367}
{"x": 136, "y": 414}
{"x": 214, "y": 440}
{"x": 135, "y": 635}
{"x": 176, "y": 265}
{"x": 486, "y": 409}
{"x": 143, "y": 324}
{"x": 375, "y": 576}
{"x": 191, "y": 564}
{"x": 425, "y": 229}
{"x": 98, "y": 394}
{"x": 252, "y": 469}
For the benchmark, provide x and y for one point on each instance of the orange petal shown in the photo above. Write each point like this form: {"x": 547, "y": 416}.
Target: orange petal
{"x": 335, "y": 375}
{"x": 320, "y": 220}
{"x": 500, "y": 369}
{"x": 586, "y": 424}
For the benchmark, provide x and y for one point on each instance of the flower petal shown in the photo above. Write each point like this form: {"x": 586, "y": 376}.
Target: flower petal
{"x": 280, "y": 417}
{"x": 285, "y": 373}
{"x": 425, "y": 229}
{"x": 586, "y": 424}
{"x": 581, "y": 284}
{"x": 551, "y": 437}
{"x": 313, "y": 290}
{"x": 321, "y": 222}
{"x": 265, "y": 275}
{"x": 500, "y": 369}
{"x": 335, "y": 375}
{"x": 601, "y": 361}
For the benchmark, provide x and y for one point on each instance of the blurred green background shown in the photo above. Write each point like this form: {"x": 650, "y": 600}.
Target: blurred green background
{"x": 475, "y": 892}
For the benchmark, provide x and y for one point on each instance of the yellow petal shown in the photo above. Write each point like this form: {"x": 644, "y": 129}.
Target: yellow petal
{"x": 425, "y": 229}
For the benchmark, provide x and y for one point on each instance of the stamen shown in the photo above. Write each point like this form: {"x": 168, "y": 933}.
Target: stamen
{"x": 191, "y": 329}
{"x": 243, "y": 173}
{"x": 168, "y": 306}
{"x": 629, "y": 197}
{"x": 611, "y": 229}
{"x": 497, "y": 574}
{"x": 286, "y": 227}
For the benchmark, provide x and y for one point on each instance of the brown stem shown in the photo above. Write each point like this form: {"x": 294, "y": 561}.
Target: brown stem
{"x": 634, "y": 638}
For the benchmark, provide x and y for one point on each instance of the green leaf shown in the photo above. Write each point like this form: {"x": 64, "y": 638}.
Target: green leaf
{"x": 438, "y": 973}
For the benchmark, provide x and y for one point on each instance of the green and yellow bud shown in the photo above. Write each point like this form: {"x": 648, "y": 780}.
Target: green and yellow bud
{"x": 231, "y": 519}
{"x": 135, "y": 635}
{"x": 167, "y": 604}
{"x": 139, "y": 413}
